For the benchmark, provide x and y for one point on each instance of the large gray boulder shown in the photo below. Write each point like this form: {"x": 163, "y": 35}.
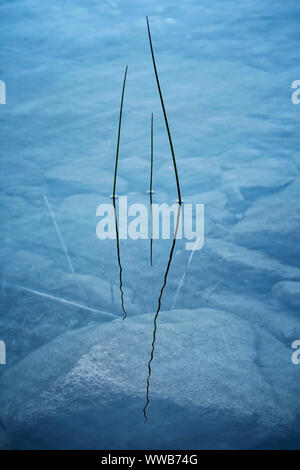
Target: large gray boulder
{"x": 217, "y": 382}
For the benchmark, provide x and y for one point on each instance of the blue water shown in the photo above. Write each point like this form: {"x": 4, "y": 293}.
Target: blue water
{"x": 222, "y": 374}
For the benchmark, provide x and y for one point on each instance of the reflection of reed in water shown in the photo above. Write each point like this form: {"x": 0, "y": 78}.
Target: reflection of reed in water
{"x": 158, "y": 310}
{"x": 119, "y": 260}
{"x": 114, "y": 195}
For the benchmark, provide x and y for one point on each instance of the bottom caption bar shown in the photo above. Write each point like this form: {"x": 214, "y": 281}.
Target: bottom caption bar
{"x": 139, "y": 458}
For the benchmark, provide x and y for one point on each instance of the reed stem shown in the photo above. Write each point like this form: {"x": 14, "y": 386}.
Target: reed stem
{"x": 119, "y": 134}
{"x": 151, "y": 172}
{"x": 150, "y": 193}
{"x": 165, "y": 115}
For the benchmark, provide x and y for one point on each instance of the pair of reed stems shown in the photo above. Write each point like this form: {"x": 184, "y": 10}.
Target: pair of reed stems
{"x": 150, "y": 195}
{"x": 166, "y": 122}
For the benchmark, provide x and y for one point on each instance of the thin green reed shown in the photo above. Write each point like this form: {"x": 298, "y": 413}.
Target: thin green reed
{"x": 114, "y": 196}
{"x": 151, "y": 171}
{"x": 119, "y": 134}
{"x": 150, "y": 193}
{"x": 165, "y": 115}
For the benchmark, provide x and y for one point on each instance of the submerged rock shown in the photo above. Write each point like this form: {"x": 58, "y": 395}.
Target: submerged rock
{"x": 214, "y": 384}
